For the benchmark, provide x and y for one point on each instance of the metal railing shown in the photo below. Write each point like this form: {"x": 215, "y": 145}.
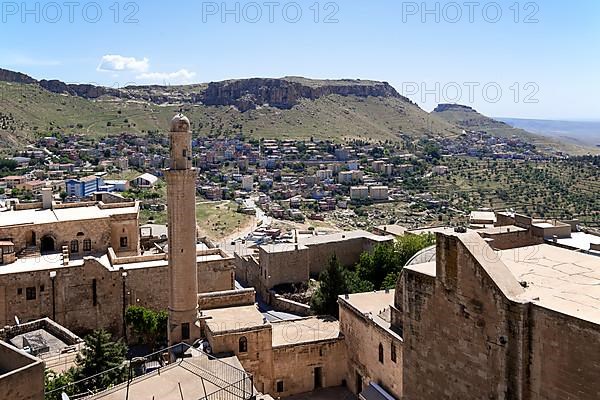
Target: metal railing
{"x": 233, "y": 383}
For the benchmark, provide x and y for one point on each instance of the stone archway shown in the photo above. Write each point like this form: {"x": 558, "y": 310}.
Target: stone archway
{"x": 47, "y": 244}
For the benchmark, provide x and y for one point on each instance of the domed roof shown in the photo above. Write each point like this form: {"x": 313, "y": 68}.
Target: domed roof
{"x": 423, "y": 256}
{"x": 180, "y": 123}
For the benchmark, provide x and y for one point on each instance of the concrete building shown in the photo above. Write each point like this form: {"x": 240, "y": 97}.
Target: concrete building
{"x": 378, "y": 193}
{"x": 181, "y": 192}
{"x": 247, "y": 183}
{"x": 359, "y": 193}
{"x": 84, "y": 187}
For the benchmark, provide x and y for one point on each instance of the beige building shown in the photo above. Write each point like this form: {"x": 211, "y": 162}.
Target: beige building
{"x": 378, "y": 193}
{"x": 284, "y": 263}
{"x": 285, "y": 357}
{"x": 359, "y": 193}
{"x": 21, "y": 375}
{"x": 76, "y": 229}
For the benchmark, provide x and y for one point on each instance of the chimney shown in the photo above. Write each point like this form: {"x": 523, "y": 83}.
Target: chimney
{"x": 47, "y": 198}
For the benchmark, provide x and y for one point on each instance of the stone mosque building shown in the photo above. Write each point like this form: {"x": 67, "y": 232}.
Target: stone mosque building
{"x": 500, "y": 312}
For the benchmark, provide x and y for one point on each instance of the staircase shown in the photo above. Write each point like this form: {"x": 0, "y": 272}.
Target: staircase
{"x": 29, "y": 251}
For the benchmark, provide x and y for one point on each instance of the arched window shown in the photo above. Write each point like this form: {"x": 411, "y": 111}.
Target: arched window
{"x": 243, "y": 345}
{"x": 74, "y": 246}
{"x": 87, "y": 245}
{"x": 380, "y": 353}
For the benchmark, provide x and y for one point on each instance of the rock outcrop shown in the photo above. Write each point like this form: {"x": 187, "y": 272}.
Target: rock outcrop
{"x": 245, "y": 94}
{"x": 248, "y": 94}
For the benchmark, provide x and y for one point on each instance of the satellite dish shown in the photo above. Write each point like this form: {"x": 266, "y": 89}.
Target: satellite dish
{"x": 17, "y": 320}
{"x": 64, "y": 396}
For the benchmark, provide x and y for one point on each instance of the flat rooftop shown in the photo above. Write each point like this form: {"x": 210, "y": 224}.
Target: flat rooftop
{"x": 187, "y": 379}
{"x": 376, "y": 306}
{"x": 579, "y": 240}
{"x": 448, "y": 230}
{"x": 396, "y": 230}
{"x": 496, "y": 230}
{"x": 305, "y": 330}
{"x": 558, "y": 279}
{"x": 342, "y": 236}
{"x": 370, "y": 302}
{"x": 223, "y": 320}
{"x": 48, "y": 216}
{"x": 428, "y": 268}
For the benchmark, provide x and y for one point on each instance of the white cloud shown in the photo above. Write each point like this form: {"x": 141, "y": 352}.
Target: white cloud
{"x": 183, "y": 76}
{"x": 115, "y": 62}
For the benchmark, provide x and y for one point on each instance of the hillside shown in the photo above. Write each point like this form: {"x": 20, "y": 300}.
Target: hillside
{"x": 273, "y": 108}
{"x": 469, "y": 119}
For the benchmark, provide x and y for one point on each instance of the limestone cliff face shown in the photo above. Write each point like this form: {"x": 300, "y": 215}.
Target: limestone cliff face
{"x": 247, "y": 94}
{"x": 17, "y": 77}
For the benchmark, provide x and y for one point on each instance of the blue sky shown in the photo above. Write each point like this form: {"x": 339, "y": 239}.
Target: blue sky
{"x": 541, "y": 62}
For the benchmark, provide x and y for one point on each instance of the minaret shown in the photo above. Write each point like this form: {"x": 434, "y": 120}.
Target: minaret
{"x": 181, "y": 203}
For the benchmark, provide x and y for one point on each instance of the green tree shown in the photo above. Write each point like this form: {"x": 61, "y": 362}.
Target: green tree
{"x": 102, "y": 361}
{"x": 53, "y": 382}
{"x": 332, "y": 283}
{"x": 148, "y": 325}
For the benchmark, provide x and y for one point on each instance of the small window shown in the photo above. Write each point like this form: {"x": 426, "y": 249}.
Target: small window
{"x": 87, "y": 245}
{"x": 184, "y": 152}
{"x": 124, "y": 241}
{"x": 185, "y": 331}
{"x": 42, "y": 287}
{"x": 279, "y": 386}
{"x": 393, "y": 352}
{"x": 380, "y": 353}
{"x": 94, "y": 292}
{"x": 19, "y": 291}
{"x": 74, "y": 246}
{"x": 30, "y": 293}
{"x": 243, "y": 347}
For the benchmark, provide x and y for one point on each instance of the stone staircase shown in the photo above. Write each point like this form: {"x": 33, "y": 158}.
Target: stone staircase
{"x": 29, "y": 251}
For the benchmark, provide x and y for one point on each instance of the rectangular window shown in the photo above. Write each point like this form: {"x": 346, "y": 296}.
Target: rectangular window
{"x": 20, "y": 291}
{"x": 185, "y": 331}
{"x": 393, "y": 352}
{"x": 30, "y": 293}
{"x": 123, "y": 241}
{"x": 279, "y": 386}
{"x": 42, "y": 287}
{"x": 94, "y": 292}
{"x": 87, "y": 245}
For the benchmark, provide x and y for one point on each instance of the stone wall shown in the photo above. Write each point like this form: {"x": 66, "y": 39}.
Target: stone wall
{"x": 296, "y": 365}
{"x": 258, "y": 360}
{"x": 466, "y": 334}
{"x": 284, "y": 266}
{"x": 362, "y": 339}
{"x": 460, "y": 322}
{"x": 103, "y": 233}
{"x": 565, "y": 357}
{"x": 510, "y": 240}
{"x": 230, "y": 298}
{"x": 90, "y": 296}
{"x": 21, "y": 376}
{"x": 280, "y": 303}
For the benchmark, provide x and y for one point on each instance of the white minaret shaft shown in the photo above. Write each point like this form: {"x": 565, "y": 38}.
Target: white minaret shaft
{"x": 181, "y": 206}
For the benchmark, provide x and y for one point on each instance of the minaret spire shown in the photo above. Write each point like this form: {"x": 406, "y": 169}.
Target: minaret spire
{"x": 181, "y": 207}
